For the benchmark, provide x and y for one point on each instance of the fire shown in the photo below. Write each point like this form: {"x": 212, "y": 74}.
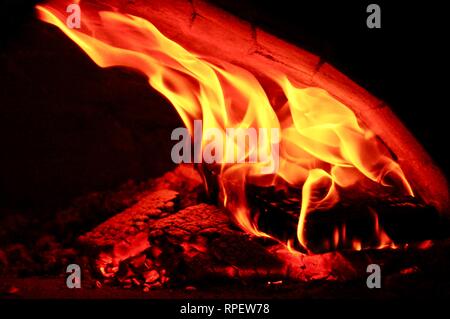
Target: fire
{"x": 322, "y": 146}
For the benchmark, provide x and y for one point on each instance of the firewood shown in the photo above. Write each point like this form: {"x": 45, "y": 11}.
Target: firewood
{"x": 125, "y": 234}
{"x": 173, "y": 190}
{"x": 186, "y": 181}
{"x": 132, "y": 221}
{"x": 201, "y": 243}
{"x": 149, "y": 243}
{"x": 159, "y": 242}
{"x": 404, "y": 218}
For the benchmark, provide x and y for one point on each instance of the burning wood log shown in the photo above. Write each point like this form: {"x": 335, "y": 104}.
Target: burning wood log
{"x": 156, "y": 242}
{"x": 200, "y": 242}
{"x": 125, "y": 234}
{"x": 186, "y": 181}
{"x": 196, "y": 244}
{"x": 405, "y": 219}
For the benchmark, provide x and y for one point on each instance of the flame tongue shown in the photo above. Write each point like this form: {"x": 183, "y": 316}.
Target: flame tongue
{"x": 322, "y": 146}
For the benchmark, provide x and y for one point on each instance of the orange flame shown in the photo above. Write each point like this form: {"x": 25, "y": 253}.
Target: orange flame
{"x": 322, "y": 146}
{"x": 384, "y": 240}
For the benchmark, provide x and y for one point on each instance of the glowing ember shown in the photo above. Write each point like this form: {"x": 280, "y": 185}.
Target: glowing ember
{"x": 323, "y": 148}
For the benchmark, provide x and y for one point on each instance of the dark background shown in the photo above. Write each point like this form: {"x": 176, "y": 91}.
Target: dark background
{"x": 59, "y": 140}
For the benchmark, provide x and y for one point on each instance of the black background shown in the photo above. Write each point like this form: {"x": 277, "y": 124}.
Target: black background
{"x": 404, "y": 63}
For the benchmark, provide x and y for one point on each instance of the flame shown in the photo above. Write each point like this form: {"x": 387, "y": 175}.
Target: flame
{"x": 356, "y": 244}
{"x": 322, "y": 146}
{"x": 426, "y": 244}
{"x": 384, "y": 239}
